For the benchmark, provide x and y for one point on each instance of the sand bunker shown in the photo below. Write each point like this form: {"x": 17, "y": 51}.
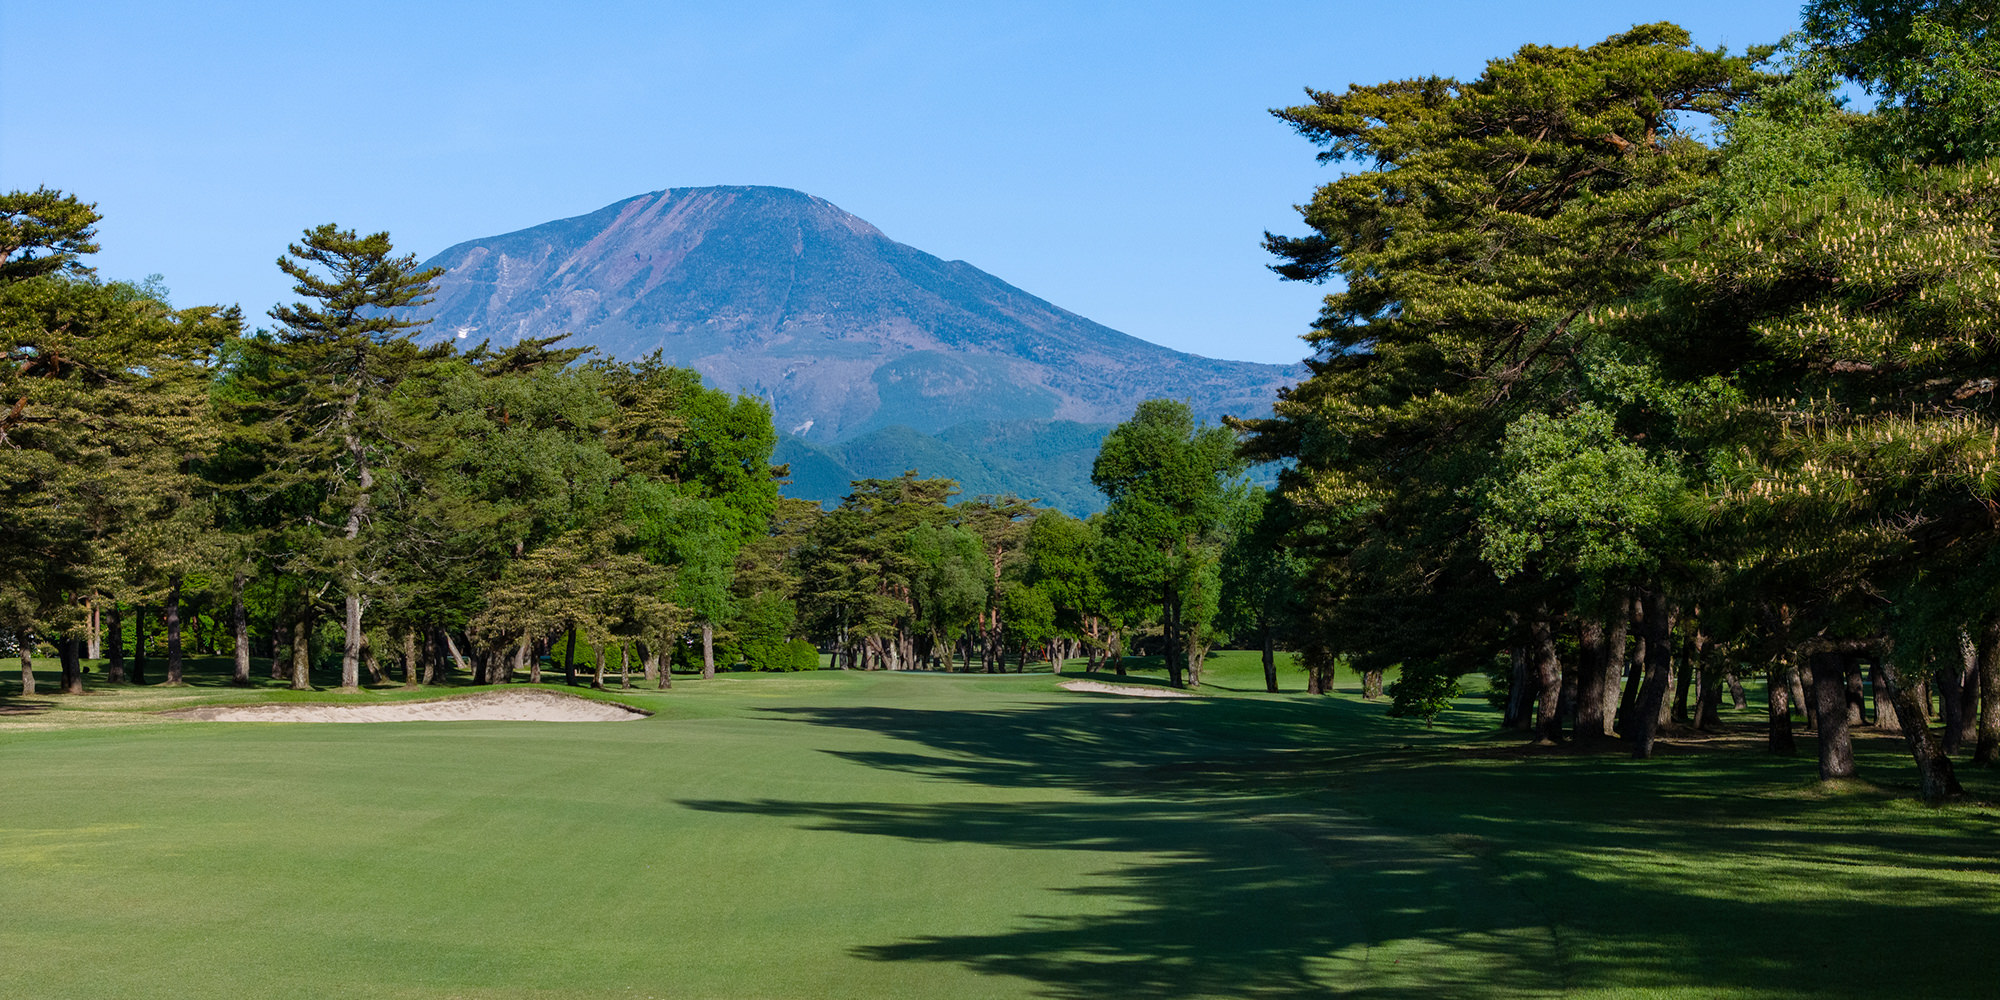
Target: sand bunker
{"x": 1138, "y": 692}
{"x": 494, "y": 706}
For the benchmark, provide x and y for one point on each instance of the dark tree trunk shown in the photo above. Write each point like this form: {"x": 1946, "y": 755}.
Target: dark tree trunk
{"x": 1270, "y": 661}
{"x": 1887, "y": 718}
{"x": 370, "y": 665}
{"x": 69, "y": 651}
{"x": 301, "y": 655}
{"x": 1836, "y": 744}
{"x": 1796, "y": 684}
{"x": 1936, "y": 781}
{"x": 1635, "y": 678}
{"x": 531, "y": 652}
{"x": 1684, "y": 672}
{"x": 569, "y": 658}
{"x": 115, "y": 673}
{"x": 1708, "y": 703}
{"x": 1658, "y": 629}
{"x": 1613, "y": 666}
{"x": 26, "y": 642}
{"x": 707, "y": 650}
{"x": 1591, "y": 650}
{"x": 1855, "y": 702}
{"x": 1777, "y": 699}
{"x": 409, "y": 656}
{"x": 1547, "y": 676}
{"x": 1954, "y": 682}
{"x": 1371, "y": 683}
{"x": 1520, "y": 692}
{"x": 239, "y": 628}
{"x": 1737, "y": 699}
{"x": 173, "y": 623}
{"x": 1987, "y": 751}
{"x": 139, "y": 657}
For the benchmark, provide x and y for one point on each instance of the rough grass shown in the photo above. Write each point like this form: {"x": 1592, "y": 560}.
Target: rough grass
{"x": 864, "y": 835}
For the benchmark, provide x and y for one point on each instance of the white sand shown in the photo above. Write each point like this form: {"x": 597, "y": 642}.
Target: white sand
{"x": 492, "y": 706}
{"x": 1137, "y": 692}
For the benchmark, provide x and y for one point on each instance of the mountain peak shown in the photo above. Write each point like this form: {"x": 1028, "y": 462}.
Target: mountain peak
{"x": 776, "y": 292}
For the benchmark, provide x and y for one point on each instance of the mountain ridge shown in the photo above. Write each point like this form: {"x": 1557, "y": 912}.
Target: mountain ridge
{"x": 843, "y": 330}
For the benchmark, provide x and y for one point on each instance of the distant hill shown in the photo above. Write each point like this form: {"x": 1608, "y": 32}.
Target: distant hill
{"x": 863, "y": 346}
{"x": 1046, "y": 460}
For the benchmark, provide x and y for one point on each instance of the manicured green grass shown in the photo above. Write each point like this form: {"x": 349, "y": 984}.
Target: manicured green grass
{"x": 841, "y": 834}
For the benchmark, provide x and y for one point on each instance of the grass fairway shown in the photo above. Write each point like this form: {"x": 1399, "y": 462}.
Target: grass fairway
{"x": 840, "y": 834}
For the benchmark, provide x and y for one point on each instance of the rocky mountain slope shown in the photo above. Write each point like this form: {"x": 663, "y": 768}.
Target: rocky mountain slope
{"x": 845, "y": 331}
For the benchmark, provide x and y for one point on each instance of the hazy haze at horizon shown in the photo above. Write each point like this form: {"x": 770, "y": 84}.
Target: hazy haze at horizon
{"x": 1117, "y": 161}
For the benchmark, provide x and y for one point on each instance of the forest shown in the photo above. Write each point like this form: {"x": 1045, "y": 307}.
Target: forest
{"x": 1650, "y": 375}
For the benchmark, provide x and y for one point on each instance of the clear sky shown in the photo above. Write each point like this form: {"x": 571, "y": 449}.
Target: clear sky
{"x": 1116, "y": 159}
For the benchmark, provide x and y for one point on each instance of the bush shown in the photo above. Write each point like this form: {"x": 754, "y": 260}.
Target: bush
{"x": 1422, "y": 694}
{"x": 804, "y": 655}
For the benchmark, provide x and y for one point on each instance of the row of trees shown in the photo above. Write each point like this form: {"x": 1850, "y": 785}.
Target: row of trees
{"x": 1648, "y": 351}
{"x": 330, "y": 482}
{"x": 444, "y": 509}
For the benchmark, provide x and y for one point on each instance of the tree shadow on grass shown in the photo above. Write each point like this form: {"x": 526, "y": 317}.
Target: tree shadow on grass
{"x": 1241, "y": 866}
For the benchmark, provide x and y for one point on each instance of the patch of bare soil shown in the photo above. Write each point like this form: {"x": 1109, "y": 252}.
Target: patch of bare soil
{"x": 493, "y": 706}
{"x": 1124, "y": 689}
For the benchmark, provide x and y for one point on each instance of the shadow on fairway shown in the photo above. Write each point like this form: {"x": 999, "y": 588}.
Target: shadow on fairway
{"x": 1234, "y": 866}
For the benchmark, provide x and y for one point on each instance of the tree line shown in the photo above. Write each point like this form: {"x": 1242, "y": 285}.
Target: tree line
{"x": 1643, "y": 354}
{"x": 329, "y": 489}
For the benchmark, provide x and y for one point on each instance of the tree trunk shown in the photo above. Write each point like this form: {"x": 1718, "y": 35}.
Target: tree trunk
{"x": 1854, "y": 700}
{"x": 139, "y": 644}
{"x": 115, "y": 673}
{"x": 1987, "y": 751}
{"x": 370, "y": 665}
{"x": 1591, "y": 650}
{"x": 1684, "y": 672}
{"x": 1635, "y": 678}
{"x": 350, "y": 650}
{"x": 1777, "y": 698}
{"x": 1936, "y": 781}
{"x": 69, "y": 652}
{"x": 1796, "y": 684}
{"x": 1615, "y": 633}
{"x": 624, "y": 667}
{"x": 26, "y": 642}
{"x": 409, "y": 656}
{"x": 1887, "y": 719}
{"x": 1953, "y": 684}
{"x": 173, "y": 623}
{"x": 1658, "y": 628}
{"x": 534, "y": 658}
{"x": 1708, "y": 700}
{"x": 1737, "y": 699}
{"x": 239, "y": 628}
{"x": 94, "y": 631}
{"x": 1371, "y": 683}
{"x": 569, "y": 658}
{"x": 1836, "y": 745}
{"x": 707, "y": 650}
{"x": 301, "y": 656}
{"x": 1270, "y": 661}
{"x": 1547, "y": 677}
{"x": 597, "y": 677}
{"x": 1520, "y": 692}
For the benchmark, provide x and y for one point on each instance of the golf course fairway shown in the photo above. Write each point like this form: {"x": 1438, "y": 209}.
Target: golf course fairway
{"x": 836, "y": 834}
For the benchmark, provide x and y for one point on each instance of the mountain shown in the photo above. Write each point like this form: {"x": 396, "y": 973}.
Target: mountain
{"x": 846, "y": 332}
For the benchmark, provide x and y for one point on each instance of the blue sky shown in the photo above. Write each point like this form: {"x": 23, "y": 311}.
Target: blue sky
{"x": 1114, "y": 158}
